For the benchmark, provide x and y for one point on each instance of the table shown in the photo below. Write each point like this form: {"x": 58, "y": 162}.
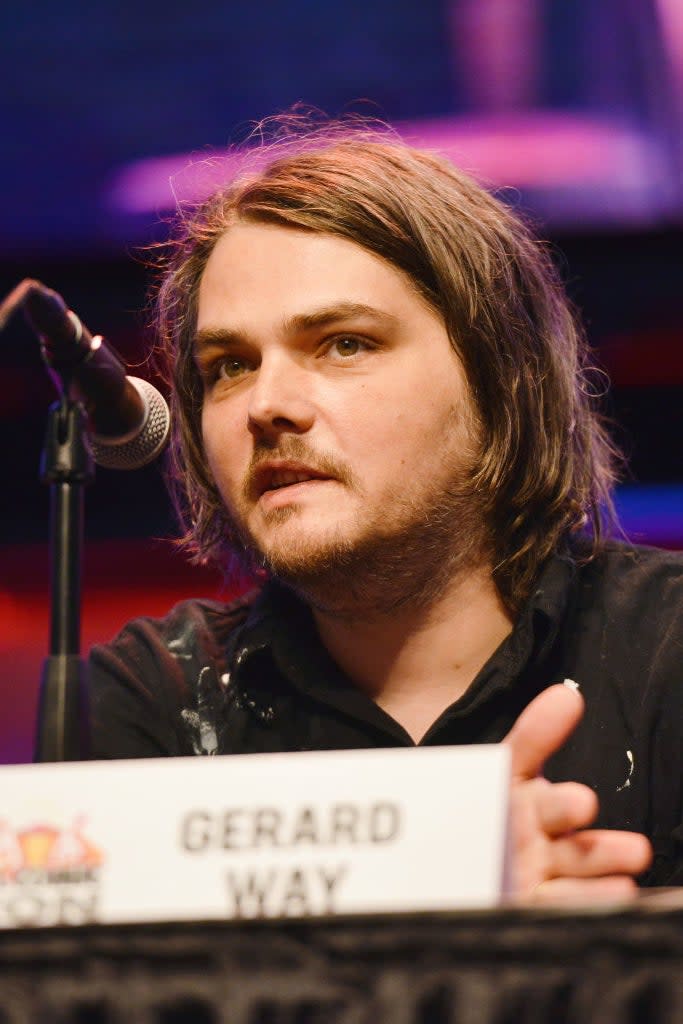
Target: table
{"x": 504, "y": 967}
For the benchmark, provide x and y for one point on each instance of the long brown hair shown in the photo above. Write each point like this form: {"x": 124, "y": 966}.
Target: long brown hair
{"x": 547, "y": 465}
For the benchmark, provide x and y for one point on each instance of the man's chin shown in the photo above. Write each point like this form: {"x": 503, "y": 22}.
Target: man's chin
{"x": 323, "y": 578}
{"x": 300, "y": 564}
{"x": 343, "y": 576}
{"x": 290, "y": 551}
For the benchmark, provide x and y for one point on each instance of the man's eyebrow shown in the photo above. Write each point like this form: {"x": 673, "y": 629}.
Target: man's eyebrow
{"x": 217, "y": 336}
{"x": 339, "y": 311}
{"x": 224, "y": 337}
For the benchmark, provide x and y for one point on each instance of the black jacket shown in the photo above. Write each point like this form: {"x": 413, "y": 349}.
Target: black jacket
{"x": 253, "y": 676}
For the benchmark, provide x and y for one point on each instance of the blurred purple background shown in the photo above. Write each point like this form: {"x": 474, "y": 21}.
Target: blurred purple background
{"x": 109, "y": 112}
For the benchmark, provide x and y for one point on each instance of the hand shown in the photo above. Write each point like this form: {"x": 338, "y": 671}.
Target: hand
{"x": 552, "y": 861}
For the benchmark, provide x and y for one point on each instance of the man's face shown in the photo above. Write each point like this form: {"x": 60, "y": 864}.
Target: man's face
{"x": 336, "y": 416}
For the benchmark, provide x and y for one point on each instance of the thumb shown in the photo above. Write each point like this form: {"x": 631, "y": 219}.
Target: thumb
{"x": 542, "y": 728}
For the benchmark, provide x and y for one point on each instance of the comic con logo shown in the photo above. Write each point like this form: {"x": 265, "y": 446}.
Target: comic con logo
{"x": 48, "y": 875}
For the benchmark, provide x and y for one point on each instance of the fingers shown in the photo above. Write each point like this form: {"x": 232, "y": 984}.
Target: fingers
{"x": 549, "y": 848}
{"x": 598, "y": 853}
{"x": 577, "y": 891}
{"x": 563, "y": 807}
{"x": 590, "y": 867}
{"x": 556, "y": 862}
{"x": 542, "y": 728}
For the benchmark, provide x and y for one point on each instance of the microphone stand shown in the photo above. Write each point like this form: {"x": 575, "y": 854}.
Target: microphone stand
{"x": 66, "y": 466}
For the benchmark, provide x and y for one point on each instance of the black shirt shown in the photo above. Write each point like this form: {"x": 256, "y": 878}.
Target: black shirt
{"x": 253, "y": 676}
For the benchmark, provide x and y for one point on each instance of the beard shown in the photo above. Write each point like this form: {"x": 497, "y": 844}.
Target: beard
{"x": 405, "y": 556}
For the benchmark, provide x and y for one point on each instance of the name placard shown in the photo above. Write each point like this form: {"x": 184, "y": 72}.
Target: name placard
{"x": 253, "y": 836}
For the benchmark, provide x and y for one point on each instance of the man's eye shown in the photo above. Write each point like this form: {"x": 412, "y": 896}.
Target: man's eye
{"x": 347, "y": 346}
{"x": 229, "y": 369}
{"x": 222, "y": 370}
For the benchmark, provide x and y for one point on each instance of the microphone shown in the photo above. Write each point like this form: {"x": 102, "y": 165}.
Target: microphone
{"x": 129, "y": 418}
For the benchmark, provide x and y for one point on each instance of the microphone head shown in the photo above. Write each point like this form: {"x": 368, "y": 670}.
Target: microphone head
{"x": 146, "y": 442}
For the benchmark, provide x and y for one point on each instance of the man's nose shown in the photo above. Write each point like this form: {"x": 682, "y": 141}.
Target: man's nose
{"x": 280, "y": 399}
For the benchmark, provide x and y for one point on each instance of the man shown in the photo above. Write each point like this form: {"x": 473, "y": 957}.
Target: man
{"x": 381, "y": 409}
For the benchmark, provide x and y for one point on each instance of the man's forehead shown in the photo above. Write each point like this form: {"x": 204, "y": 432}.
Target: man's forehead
{"x": 253, "y": 246}
{"x": 292, "y": 280}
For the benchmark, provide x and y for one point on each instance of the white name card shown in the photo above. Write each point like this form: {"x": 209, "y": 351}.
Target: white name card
{"x": 253, "y": 836}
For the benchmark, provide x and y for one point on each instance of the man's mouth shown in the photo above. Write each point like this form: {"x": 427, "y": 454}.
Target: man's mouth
{"x": 273, "y": 478}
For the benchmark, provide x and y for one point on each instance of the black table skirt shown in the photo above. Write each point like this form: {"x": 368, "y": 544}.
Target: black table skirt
{"x": 512, "y": 967}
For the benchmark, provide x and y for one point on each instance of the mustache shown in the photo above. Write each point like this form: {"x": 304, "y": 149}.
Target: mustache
{"x": 297, "y": 450}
